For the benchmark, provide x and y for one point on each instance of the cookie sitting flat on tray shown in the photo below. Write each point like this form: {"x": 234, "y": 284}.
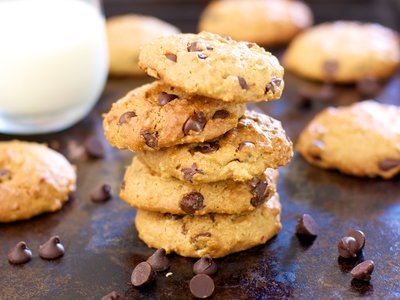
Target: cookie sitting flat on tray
{"x": 344, "y": 52}
{"x": 258, "y": 142}
{"x": 33, "y": 180}
{"x": 213, "y": 234}
{"x": 144, "y": 189}
{"x": 361, "y": 140}
{"x": 216, "y": 67}
{"x": 157, "y": 115}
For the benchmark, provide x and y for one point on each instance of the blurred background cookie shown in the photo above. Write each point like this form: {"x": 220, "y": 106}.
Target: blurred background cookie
{"x": 344, "y": 52}
{"x": 126, "y": 34}
{"x": 265, "y": 22}
{"x": 33, "y": 180}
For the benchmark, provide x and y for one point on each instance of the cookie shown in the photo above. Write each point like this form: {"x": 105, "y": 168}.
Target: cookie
{"x": 214, "y": 234}
{"x": 361, "y": 140}
{"x": 126, "y": 34}
{"x": 157, "y": 115}
{"x": 147, "y": 190}
{"x": 210, "y": 65}
{"x": 265, "y": 22}
{"x": 258, "y": 142}
{"x": 33, "y": 180}
{"x": 344, "y": 52}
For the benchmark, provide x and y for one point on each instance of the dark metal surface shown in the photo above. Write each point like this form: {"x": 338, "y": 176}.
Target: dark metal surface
{"x": 102, "y": 246}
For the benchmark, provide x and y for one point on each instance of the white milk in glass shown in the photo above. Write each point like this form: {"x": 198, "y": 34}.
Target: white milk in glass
{"x": 53, "y": 63}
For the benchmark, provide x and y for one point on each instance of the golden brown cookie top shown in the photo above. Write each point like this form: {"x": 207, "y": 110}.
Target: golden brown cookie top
{"x": 216, "y": 67}
{"x": 33, "y": 179}
{"x": 157, "y": 115}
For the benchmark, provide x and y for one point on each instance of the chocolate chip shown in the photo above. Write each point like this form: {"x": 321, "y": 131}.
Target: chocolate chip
{"x": 192, "y": 202}
{"x": 205, "y": 148}
{"x": 194, "y": 238}
{"x": 275, "y": 82}
{"x": 123, "y": 185}
{"x": 19, "y": 254}
{"x": 228, "y": 38}
{"x": 159, "y": 260}
{"x": 52, "y": 249}
{"x": 221, "y": 114}
{"x": 389, "y": 164}
{"x": 245, "y": 144}
{"x": 209, "y": 48}
{"x": 348, "y": 247}
{"x": 150, "y": 139}
{"x": 195, "y": 123}
{"x": 258, "y": 191}
{"x": 330, "y": 67}
{"x": 250, "y": 45}
{"x": 125, "y": 117}
{"x": 101, "y": 193}
{"x": 202, "y": 56}
{"x": 327, "y": 92}
{"x": 164, "y": 98}
{"x": 193, "y": 47}
{"x": 188, "y": 173}
{"x": 363, "y": 270}
{"x": 359, "y": 236}
{"x": 202, "y": 286}
{"x": 205, "y": 265}
{"x": 142, "y": 274}
{"x": 243, "y": 83}
{"x": 171, "y": 57}
{"x": 94, "y": 147}
{"x": 368, "y": 87}
{"x": 4, "y": 175}
{"x": 307, "y": 226}
{"x": 114, "y": 296}
{"x": 304, "y": 100}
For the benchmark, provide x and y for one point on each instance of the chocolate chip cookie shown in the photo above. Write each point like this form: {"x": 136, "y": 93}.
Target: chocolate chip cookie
{"x": 344, "y": 52}
{"x": 361, "y": 140}
{"x": 147, "y": 190}
{"x": 258, "y": 142}
{"x": 214, "y": 234}
{"x": 157, "y": 115}
{"x": 210, "y": 65}
{"x": 265, "y": 22}
{"x": 33, "y": 180}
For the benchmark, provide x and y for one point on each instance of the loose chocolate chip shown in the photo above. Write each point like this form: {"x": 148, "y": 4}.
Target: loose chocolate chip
{"x": 307, "y": 226}
{"x": 150, "y": 139}
{"x": 125, "y": 117}
{"x": 195, "y": 123}
{"x": 363, "y": 271}
{"x": 19, "y": 254}
{"x": 159, "y": 260}
{"x": 330, "y": 67}
{"x": 114, "y": 296}
{"x": 368, "y": 87}
{"x": 142, "y": 274}
{"x": 193, "y": 47}
{"x": 202, "y": 56}
{"x": 52, "y": 249}
{"x": 205, "y": 265}
{"x": 389, "y": 164}
{"x": 245, "y": 144}
{"x": 75, "y": 151}
{"x": 359, "y": 236}
{"x": 348, "y": 247}
{"x": 205, "y": 148}
{"x": 221, "y": 114}
{"x": 304, "y": 100}
{"x": 258, "y": 191}
{"x": 171, "y": 57}
{"x": 327, "y": 92}
{"x": 202, "y": 286}
{"x": 164, "y": 98}
{"x": 101, "y": 193}
{"x": 188, "y": 173}
{"x": 94, "y": 147}
{"x": 192, "y": 202}
{"x": 243, "y": 83}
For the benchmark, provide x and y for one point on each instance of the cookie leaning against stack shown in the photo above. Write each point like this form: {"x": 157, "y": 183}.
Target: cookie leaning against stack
{"x": 205, "y": 167}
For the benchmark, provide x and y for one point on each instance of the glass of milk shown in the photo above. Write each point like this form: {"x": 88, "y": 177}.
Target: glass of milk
{"x": 53, "y": 63}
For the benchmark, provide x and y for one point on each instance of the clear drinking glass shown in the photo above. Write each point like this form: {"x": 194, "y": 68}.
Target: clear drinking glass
{"x": 53, "y": 63}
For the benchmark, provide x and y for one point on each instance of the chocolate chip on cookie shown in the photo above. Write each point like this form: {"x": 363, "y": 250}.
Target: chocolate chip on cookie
{"x": 193, "y": 47}
{"x": 330, "y": 67}
{"x": 245, "y": 145}
{"x": 5, "y": 174}
{"x": 192, "y": 202}
{"x": 275, "y": 82}
{"x": 389, "y": 164}
{"x": 195, "y": 123}
{"x": 171, "y": 57}
{"x": 243, "y": 83}
{"x": 150, "y": 139}
{"x": 258, "y": 190}
{"x": 205, "y": 148}
{"x": 164, "y": 98}
{"x": 125, "y": 117}
{"x": 188, "y": 173}
{"x": 221, "y": 114}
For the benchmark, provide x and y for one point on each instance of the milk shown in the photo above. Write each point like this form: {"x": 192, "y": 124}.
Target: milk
{"x": 53, "y": 63}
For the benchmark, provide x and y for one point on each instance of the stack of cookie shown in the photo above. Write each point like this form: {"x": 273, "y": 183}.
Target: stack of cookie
{"x": 204, "y": 178}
